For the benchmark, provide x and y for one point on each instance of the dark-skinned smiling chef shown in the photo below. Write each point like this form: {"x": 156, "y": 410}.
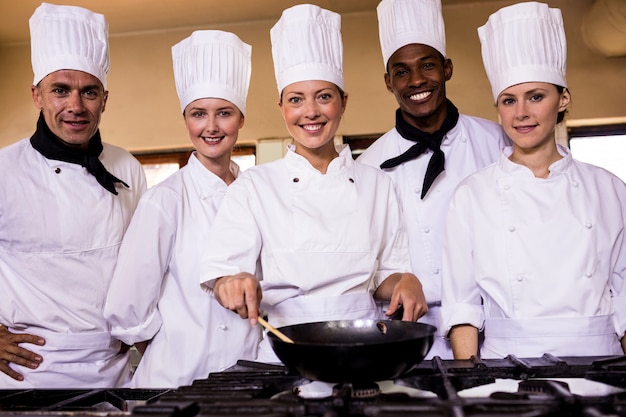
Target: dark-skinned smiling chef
{"x": 432, "y": 146}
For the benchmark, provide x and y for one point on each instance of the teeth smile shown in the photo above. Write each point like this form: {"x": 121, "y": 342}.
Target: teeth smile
{"x": 212, "y": 140}
{"x": 420, "y": 96}
{"x": 312, "y": 127}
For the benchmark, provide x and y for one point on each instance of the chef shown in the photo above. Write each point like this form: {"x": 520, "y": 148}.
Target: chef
{"x": 155, "y": 295}
{"x": 535, "y": 244}
{"x": 432, "y": 147}
{"x": 316, "y": 235}
{"x": 66, "y": 200}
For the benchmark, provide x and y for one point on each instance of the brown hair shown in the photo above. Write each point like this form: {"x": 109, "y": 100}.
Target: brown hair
{"x": 561, "y": 115}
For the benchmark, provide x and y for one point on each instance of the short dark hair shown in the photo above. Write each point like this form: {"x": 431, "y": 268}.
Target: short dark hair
{"x": 439, "y": 54}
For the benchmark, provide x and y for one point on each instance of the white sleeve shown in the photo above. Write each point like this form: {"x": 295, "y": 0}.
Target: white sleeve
{"x": 236, "y": 240}
{"x": 145, "y": 253}
{"x": 394, "y": 255}
{"x": 461, "y": 299}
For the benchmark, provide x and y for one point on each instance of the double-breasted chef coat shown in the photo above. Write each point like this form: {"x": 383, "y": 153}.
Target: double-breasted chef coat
{"x": 60, "y": 232}
{"x": 320, "y": 243}
{"x": 472, "y": 144}
{"x": 155, "y": 294}
{"x": 540, "y": 263}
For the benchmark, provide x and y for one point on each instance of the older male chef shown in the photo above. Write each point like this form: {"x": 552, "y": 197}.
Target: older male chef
{"x": 65, "y": 202}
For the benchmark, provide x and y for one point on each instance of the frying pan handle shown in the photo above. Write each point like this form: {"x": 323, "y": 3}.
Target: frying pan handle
{"x": 398, "y": 314}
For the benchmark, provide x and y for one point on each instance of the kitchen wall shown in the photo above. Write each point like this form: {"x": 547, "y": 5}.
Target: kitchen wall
{"x": 143, "y": 110}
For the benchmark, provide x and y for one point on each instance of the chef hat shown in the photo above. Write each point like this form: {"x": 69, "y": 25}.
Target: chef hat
{"x": 212, "y": 64}
{"x": 68, "y": 37}
{"x": 307, "y": 45}
{"x": 524, "y": 43}
{"x": 403, "y": 22}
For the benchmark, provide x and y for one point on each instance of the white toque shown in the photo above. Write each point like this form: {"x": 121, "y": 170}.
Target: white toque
{"x": 212, "y": 64}
{"x": 403, "y": 22}
{"x": 307, "y": 45}
{"x": 70, "y": 38}
{"x": 524, "y": 43}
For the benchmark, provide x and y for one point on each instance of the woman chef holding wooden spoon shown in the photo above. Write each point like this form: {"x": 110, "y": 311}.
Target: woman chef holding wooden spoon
{"x": 316, "y": 235}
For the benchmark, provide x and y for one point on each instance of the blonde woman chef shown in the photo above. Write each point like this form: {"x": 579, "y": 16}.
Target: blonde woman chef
{"x": 535, "y": 245}
{"x": 155, "y": 295}
{"x": 320, "y": 234}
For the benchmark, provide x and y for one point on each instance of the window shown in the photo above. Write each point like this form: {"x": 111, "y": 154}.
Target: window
{"x": 358, "y": 143}
{"x": 604, "y": 146}
{"x": 159, "y": 165}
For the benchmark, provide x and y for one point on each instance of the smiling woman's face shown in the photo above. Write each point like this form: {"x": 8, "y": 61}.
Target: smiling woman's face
{"x": 213, "y": 125}
{"x": 312, "y": 112}
{"x": 529, "y": 111}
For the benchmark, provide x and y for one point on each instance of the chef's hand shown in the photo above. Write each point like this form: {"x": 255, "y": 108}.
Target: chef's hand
{"x": 403, "y": 290}
{"x": 11, "y": 352}
{"x": 240, "y": 293}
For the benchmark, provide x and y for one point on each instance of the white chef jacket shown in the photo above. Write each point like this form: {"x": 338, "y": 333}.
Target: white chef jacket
{"x": 155, "y": 292}
{"x": 472, "y": 144}
{"x": 321, "y": 243}
{"x": 60, "y": 232}
{"x": 541, "y": 262}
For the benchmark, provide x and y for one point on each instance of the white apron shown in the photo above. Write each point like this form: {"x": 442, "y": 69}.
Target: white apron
{"x": 312, "y": 308}
{"x": 562, "y": 336}
{"x": 73, "y": 360}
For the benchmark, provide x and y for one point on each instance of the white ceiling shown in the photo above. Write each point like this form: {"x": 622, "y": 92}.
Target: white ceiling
{"x": 142, "y": 15}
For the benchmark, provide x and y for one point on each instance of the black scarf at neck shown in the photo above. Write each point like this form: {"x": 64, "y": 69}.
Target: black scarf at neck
{"x": 424, "y": 141}
{"x": 50, "y": 146}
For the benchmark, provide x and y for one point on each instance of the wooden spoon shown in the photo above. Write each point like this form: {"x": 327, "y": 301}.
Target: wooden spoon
{"x": 274, "y": 330}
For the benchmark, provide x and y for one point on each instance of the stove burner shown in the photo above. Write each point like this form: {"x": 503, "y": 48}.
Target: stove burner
{"x": 356, "y": 390}
{"x": 544, "y": 386}
{"x": 312, "y": 389}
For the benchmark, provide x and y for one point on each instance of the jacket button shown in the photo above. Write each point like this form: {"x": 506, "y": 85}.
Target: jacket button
{"x": 57, "y": 170}
{"x": 222, "y": 326}
{"x": 296, "y": 179}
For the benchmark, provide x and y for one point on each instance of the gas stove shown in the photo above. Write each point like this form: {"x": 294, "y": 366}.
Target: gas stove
{"x": 545, "y": 386}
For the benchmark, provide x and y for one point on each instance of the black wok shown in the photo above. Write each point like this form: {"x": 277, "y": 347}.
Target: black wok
{"x": 353, "y": 350}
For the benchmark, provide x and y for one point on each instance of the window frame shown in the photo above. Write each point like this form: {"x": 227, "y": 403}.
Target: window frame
{"x": 181, "y": 156}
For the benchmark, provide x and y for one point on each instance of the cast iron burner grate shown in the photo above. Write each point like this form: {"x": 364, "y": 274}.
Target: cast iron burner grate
{"x": 72, "y": 401}
{"x": 254, "y": 389}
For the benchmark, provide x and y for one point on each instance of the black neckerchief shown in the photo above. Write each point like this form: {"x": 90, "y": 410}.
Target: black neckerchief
{"x": 424, "y": 141}
{"x": 50, "y": 146}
